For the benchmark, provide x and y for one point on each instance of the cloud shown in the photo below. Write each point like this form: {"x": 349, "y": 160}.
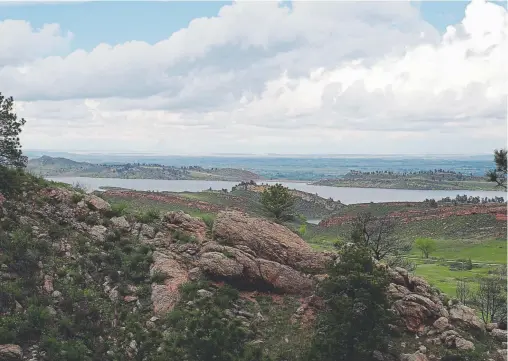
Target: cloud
{"x": 334, "y": 75}
{"x": 20, "y": 43}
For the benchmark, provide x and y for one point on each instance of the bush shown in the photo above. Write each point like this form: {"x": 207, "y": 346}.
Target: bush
{"x": 201, "y": 330}
{"x": 209, "y": 220}
{"x": 77, "y": 197}
{"x": 356, "y": 321}
{"x": 117, "y": 210}
{"x": 158, "y": 277}
{"x": 182, "y": 237}
{"x": 149, "y": 216}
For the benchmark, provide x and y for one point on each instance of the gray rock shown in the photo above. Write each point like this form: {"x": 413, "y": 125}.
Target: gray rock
{"x": 441, "y": 324}
{"x": 501, "y": 355}
{"x": 204, "y": 293}
{"x": 491, "y": 326}
{"x": 500, "y": 335}
{"x": 97, "y": 204}
{"x": 98, "y": 233}
{"x": 147, "y": 231}
{"x": 10, "y": 352}
{"x": 462, "y": 344}
{"x": 120, "y": 223}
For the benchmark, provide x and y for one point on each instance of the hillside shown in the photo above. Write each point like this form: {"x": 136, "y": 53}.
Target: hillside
{"x": 241, "y": 197}
{"x": 82, "y": 280}
{"x": 438, "y": 179}
{"x": 63, "y": 167}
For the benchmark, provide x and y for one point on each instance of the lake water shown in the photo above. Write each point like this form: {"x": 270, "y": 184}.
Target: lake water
{"x": 345, "y": 195}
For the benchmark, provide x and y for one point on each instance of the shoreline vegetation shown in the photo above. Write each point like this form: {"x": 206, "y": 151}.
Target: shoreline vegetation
{"x": 438, "y": 179}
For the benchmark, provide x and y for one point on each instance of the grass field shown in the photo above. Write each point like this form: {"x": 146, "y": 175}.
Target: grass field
{"x": 489, "y": 251}
{"x": 486, "y": 256}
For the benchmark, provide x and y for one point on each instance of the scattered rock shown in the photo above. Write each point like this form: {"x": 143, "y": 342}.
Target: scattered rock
{"x": 417, "y": 356}
{"x": 466, "y": 316}
{"x": 147, "y": 231}
{"x": 96, "y": 203}
{"x": 195, "y": 274}
{"x": 120, "y": 223}
{"x": 98, "y": 233}
{"x": 48, "y": 283}
{"x": 500, "y": 335}
{"x": 10, "y": 352}
{"x": 490, "y": 326}
{"x": 501, "y": 355}
{"x": 129, "y": 299}
{"x": 464, "y": 345}
{"x": 204, "y": 293}
{"x": 441, "y": 324}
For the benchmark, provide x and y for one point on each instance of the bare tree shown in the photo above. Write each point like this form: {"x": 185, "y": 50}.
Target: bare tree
{"x": 463, "y": 291}
{"x": 491, "y": 297}
{"x": 378, "y": 234}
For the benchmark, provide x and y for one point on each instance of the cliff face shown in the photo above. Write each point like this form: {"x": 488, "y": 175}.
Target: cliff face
{"x": 77, "y": 273}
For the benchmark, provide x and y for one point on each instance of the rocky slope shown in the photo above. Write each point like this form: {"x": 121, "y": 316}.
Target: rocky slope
{"x": 118, "y": 277}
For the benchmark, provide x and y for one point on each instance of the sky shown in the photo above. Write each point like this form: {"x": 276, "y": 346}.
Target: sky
{"x": 304, "y": 77}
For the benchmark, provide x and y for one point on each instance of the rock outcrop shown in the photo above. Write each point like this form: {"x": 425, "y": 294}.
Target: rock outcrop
{"x": 268, "y": 240}
{"x": 181, "y": 221}
{"x": 251, "y": 253}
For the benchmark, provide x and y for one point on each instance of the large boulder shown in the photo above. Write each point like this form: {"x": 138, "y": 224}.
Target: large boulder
{"x": 417, "y": 311}
{"x": 242, "y": 267}
{"x": 96, "y": 203}
{"x": 10, "y": 352}
{"x": 268, "y": 240}
{"x": 466, "y": 317}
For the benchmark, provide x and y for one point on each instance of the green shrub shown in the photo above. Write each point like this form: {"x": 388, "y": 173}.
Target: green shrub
{"x": 77, "y": 197}
{"x": 356, "y": 322}
{"x": 158, "y": 277}
{"x": 147, "y": 217}
{"x": 182, "y": 237}
{"x": 117, "y": 210}
{"x": 202, "y": 331}
{"x": 209, "y": 220}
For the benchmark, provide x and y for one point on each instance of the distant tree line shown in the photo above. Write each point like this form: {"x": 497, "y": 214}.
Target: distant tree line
{"x": 464, "y": 199}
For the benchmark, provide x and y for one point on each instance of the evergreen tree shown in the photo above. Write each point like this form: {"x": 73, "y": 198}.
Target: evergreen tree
{"x": 278, "y": 201}
{"x": 10, "y": 128}
{"x": 356, "y": 322}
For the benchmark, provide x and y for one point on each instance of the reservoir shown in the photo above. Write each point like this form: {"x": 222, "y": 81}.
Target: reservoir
{"x": 345, "y": 195}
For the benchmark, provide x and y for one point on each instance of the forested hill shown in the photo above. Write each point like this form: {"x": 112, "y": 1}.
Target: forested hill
{"x": 51, "y": 167}
{"x": 437, "y": 179}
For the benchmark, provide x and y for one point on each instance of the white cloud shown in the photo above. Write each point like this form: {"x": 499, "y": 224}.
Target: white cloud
{"x": 20, "y": 43}
{"x": 337, "y": 77}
